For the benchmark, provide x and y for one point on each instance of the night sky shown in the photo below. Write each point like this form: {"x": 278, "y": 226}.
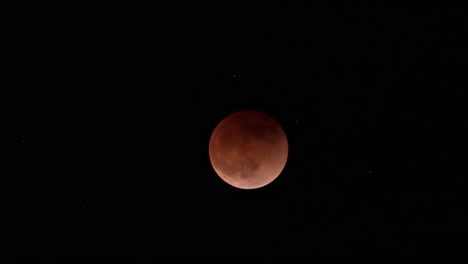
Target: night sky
{"x": 119, "y": 103}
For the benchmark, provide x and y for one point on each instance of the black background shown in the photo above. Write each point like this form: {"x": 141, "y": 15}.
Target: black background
{"x": 119, "y": 103}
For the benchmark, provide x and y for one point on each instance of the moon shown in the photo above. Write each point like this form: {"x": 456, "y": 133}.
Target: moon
{"x": 248, "y": 149}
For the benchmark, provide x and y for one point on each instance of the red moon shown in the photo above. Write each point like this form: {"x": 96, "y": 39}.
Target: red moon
{"x": 248, "y": 149}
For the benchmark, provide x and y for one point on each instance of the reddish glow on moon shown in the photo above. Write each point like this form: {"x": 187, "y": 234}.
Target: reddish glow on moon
{"x": 248, "y": 149}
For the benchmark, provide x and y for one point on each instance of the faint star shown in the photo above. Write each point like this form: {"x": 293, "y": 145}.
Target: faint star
{"x": 370, "y": 171}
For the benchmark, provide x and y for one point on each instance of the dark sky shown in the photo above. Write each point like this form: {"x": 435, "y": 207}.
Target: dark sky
{"x": 119, "y": 103}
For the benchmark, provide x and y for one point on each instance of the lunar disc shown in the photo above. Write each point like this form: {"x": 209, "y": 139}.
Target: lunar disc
{"x": 248, "y": 149}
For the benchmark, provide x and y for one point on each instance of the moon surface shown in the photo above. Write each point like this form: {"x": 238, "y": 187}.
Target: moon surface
{"x": 248, "y": 149}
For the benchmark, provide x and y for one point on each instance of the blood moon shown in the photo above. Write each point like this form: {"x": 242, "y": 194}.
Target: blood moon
{"x": 248, "y": 149}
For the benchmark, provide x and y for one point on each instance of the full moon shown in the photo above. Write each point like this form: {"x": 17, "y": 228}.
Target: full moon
{"x": 248, "y": 149}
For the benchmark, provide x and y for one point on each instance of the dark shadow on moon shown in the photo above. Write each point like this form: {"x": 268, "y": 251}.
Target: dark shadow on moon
{"x": 262, "y": 128}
